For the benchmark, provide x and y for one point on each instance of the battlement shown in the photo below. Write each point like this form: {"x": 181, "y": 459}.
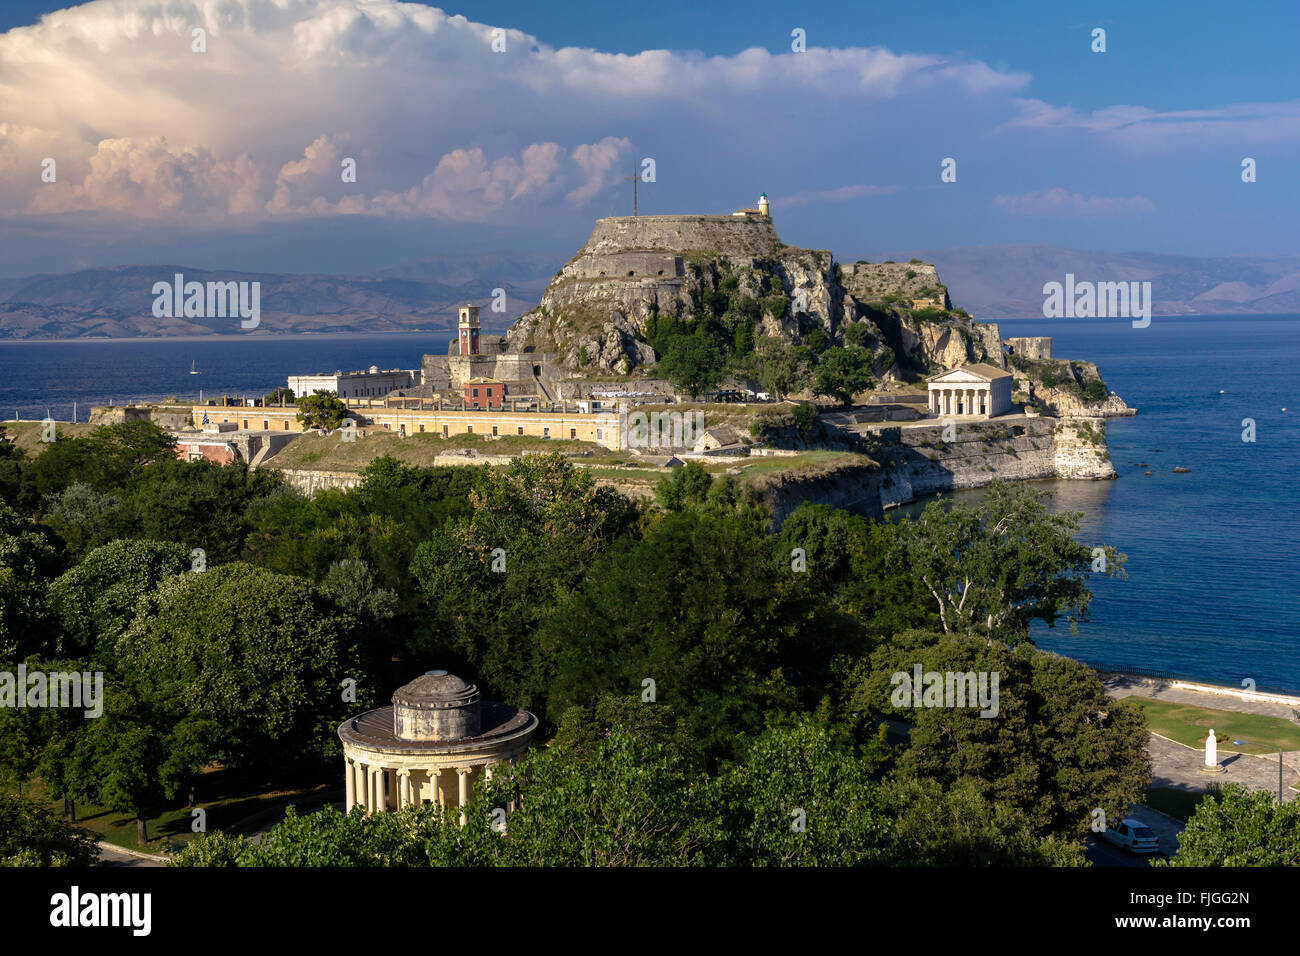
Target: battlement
{"x": 739, "y": 236}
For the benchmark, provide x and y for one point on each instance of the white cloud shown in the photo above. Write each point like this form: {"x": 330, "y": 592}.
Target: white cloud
{"x": 1061, "y": 203}
{"x": 441, "y": 126}
{"x": 1139, "y": 127}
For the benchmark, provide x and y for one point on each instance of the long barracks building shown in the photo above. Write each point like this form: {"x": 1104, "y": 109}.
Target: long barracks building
{"x": 425, "y": 417}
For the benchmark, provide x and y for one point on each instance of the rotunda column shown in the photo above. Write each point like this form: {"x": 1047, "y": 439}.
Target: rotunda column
{"x": 349, "y": 785}
{"x": 463, "y": 773}
{"x": 403, "y": 788}
{"x": 434, "y": 778}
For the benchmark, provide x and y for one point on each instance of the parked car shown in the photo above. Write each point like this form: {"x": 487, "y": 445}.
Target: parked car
{"x": 1134, "y": 836}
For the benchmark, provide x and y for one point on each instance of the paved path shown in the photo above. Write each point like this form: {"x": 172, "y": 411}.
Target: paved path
{"x": 112, "y": 855}
{"x": 1178, "y": 766}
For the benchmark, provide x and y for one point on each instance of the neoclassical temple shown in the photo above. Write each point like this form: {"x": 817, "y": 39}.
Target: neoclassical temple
{"x": 979, "y": 390}
{"x": 436, "y": 740}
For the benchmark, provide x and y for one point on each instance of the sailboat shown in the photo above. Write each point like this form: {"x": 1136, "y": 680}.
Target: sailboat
{"x": 193, "y": 370}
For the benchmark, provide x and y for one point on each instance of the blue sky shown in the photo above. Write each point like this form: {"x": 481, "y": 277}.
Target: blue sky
{"x": 230, "y": 159}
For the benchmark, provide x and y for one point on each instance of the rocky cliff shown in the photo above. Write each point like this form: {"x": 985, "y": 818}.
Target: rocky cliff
{"x": 599, "y": 311}
{"x": 908, "y": 464}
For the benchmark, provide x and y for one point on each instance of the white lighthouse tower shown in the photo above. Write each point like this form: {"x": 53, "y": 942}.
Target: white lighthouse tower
{"x": 762, "y": 205}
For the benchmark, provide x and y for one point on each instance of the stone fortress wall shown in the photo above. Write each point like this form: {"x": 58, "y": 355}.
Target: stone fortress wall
{"x": 740, "y": 236}
{"x": 1039, "y": 347}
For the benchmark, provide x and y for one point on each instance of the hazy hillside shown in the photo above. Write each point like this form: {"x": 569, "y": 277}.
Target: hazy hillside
{"x": 118, "y": 302}
{"x": 1007, "y": 281}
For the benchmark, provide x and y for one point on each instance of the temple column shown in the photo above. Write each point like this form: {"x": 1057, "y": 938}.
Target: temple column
{"x": 349, "y": 785}
{"x": 381, "y": 791}
{"x": 403, "y": 789}
{"x": 463, "y": 773}
{"x": 434, "y": 776}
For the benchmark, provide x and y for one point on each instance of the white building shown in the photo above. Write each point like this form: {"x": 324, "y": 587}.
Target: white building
{"x": 371, "y": 383}
{"x": 971, "y": 391}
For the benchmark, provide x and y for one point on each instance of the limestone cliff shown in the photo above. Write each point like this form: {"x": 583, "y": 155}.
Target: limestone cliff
{"x": 597, "y": 312}
{"x": 908, "y": 464}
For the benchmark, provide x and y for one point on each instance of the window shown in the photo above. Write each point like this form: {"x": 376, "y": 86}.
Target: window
{"x": 444, "y": 431}
{"x": 469, "y": 429}
{"x": 573, "y": 433}
{"x": 599, "y": 434}
{"x": 265, "y": 425}
{"x": 421, "y": 426}
{"x": 546, "y": 432}
{"x": 476, "y": 393}
{"x": 489, "y": 392}
{"x": 245, "y": 422}
{"x": 286, "y": 424}
{"x": 494, "y": 431}
{"x": 521, "y": 429}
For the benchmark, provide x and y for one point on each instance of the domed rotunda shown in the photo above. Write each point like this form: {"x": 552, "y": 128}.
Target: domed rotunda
{"x": 436, "y": 740}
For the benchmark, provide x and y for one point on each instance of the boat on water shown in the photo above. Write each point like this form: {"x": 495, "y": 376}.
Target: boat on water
{"x": 193, "y": 370}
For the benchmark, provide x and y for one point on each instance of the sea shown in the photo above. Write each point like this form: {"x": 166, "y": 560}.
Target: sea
{"x": 1212, "y": 590}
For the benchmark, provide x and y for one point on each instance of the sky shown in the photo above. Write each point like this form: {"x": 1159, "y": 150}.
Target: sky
{"x": 508, "y": 127}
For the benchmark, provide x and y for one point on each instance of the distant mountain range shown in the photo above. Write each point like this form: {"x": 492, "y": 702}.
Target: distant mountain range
{"x": 118, "y": 302}
{"x": 990, "y": 282}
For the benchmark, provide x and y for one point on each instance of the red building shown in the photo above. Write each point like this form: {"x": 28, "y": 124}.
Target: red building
{"x": 484, "y": 393}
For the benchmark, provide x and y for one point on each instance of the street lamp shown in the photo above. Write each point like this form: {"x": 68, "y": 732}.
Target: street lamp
{"x": 1279, "y": 765}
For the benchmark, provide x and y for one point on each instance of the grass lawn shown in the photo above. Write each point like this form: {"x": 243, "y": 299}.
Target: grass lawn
{"x": 331, "y": 453}
{"x": 759, "y": 466}
{"x": 231, "y": 800}
{"x": 27, "y": 435}
{"x": 1189, "y": 725}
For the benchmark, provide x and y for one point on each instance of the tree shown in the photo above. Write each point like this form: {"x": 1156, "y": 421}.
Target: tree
{"x": 29, "y": 560}
{"x": 696, "y": 607}
{"x": 118, "y": 760}
{"x": 197, "y": 504}
{"x": 997, "y": 566}
{"x": 321, "y": 409}
{"x": 487, "y": 579}
{"x": 103, "y": 459}
{"x": 1053, "y": 745}
{"x": 264, "y": 656}
{"x": 693, "y": 363}
{"x": 31, "y": 835}
{"x": 841, "y": 373}
{"x": 82, "y": 516}
{"x": 96, "y": 600}
{"x": 1242, "y": 828}
{"x": 779, "y": 366}
{"x": 683, "y": 487}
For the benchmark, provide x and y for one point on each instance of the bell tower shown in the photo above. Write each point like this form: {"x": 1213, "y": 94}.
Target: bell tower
{"x": 469, "y": 330}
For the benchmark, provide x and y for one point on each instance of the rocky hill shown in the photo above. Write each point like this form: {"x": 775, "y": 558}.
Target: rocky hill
{"x": 600, "y": 310}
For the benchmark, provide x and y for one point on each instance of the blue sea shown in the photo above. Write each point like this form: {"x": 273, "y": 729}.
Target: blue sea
{"x": 1213, "y": 586}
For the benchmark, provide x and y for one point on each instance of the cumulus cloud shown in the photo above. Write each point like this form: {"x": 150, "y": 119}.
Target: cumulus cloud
{"x": 441, "y": 126}
{"x": 1061, "y": 203}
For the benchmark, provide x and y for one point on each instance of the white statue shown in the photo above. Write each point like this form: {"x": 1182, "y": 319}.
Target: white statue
{"x": 1211, "y": 750}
